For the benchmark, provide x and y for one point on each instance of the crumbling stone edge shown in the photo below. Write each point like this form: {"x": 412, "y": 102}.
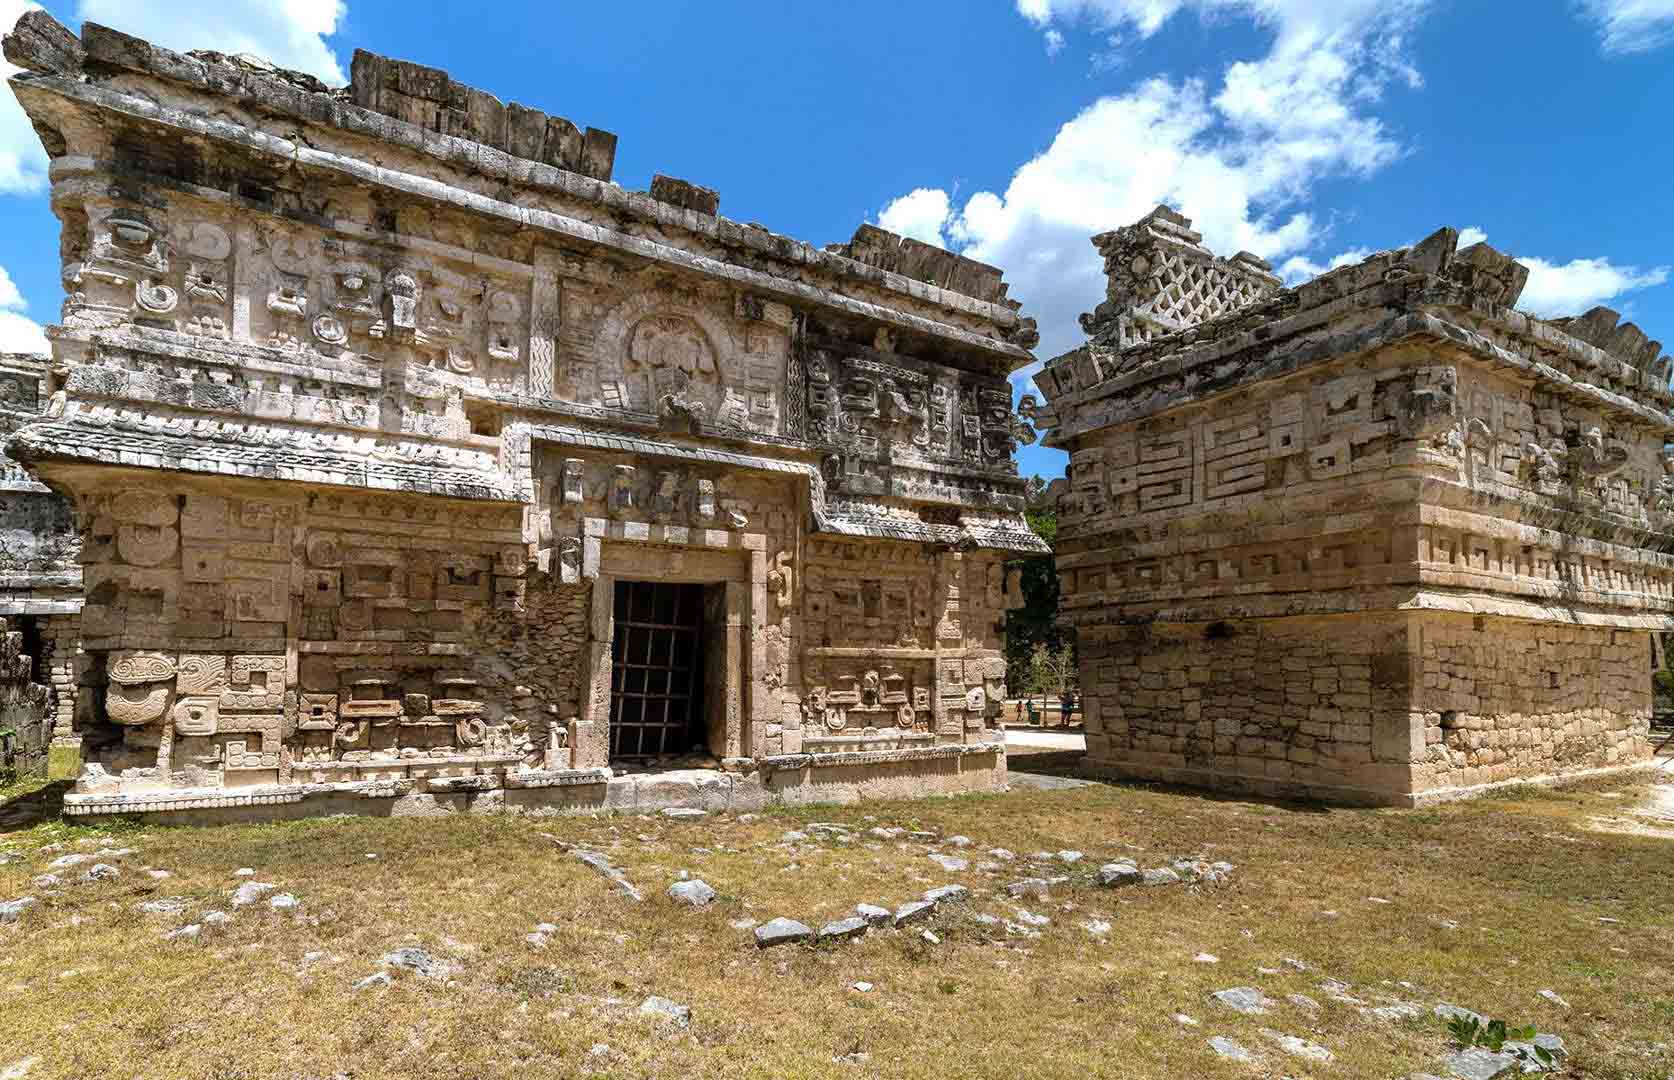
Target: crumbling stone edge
{"x": 1264, "y": 787}
{"x": 783, "y": 779}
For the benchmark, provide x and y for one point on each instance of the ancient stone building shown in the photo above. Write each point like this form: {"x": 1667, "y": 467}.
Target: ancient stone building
{"x": 40, "y": 588}
{"x": 1378, "y": 538}
{"x": 412, "y": 459}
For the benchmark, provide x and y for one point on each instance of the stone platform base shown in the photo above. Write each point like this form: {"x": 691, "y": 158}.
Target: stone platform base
{"x": 789, "y": 780}
{"x": 1262, "y": 787}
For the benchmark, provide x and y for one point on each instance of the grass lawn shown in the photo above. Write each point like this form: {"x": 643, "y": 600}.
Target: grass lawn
{"x": 14, "y": 787}
{"x": 1481, "y": 905}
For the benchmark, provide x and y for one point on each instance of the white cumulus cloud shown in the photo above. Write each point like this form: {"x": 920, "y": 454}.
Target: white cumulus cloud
{"x": 1300, "y": 268}
{"x": 1146, "y": 16}
{"x": 1570, "y": 288}
{"x": 1238, "y": 156}
{"x": 920, "y": 214}
{"x": 1631, "y": 26}
{"x": 18, "y": 332}
{"x": 22, "y": 161}
{"x": 1553, "y": 289}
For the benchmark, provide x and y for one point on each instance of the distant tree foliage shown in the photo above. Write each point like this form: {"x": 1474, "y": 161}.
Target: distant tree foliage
{"x": 1662, "y": 678}
{"x": 1033, "y": 629}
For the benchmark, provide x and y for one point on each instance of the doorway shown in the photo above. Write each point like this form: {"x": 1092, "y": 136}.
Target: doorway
{"x": 657, "y": 669}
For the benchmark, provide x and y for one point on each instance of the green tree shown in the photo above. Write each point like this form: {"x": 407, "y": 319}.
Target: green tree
{"x": 1035, "y": 624}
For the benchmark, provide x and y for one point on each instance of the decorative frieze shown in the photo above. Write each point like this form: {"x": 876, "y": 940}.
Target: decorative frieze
{"x": 358, "y": 459}
{"x": 1277, "y": 498}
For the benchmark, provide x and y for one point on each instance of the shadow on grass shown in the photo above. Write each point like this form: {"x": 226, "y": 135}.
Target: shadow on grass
{"x": 1068, "y": 767}
{"x": 33, "y": 805}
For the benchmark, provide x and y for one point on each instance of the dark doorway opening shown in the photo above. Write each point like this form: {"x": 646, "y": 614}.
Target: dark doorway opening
{"x": 656, "y": 677}
{"x": 33, "y": 647}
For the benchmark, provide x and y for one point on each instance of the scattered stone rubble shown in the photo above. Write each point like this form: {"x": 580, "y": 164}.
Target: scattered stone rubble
{"x": 661, "y": 1008}
{"x": 1474, "y": 1063}
{"x": 1246, "y": 1000}
{"x": 12, "y": 910}
{"x": 694, "y": 893}
{"x": 421, "y": 963}
{"x": 612, "y": 873}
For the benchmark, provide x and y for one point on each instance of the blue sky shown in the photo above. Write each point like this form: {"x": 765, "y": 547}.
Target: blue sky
{"x": 1303, "y": 130}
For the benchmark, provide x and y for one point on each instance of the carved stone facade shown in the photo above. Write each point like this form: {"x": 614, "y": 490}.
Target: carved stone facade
{"x": 40, "y": 580}
{"x": 372, "y": 403}
{"x": 1377, "y": 538}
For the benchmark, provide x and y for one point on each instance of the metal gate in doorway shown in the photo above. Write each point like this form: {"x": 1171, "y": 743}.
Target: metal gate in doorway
{"x": 656, "y": 678}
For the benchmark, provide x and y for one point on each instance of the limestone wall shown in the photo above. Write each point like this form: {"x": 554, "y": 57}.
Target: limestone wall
{"x": 1378, "y": 709}
{"x": 1338, "y": 489}
{"x": 25, "y": 707}
{"x": 1303, "y": 707}
{"x": 1502, "y": 700}
{"x": 40, "y": 572}
{"x": 533, "y": 658}
{"x": 361, "y": 426}
{"x": 244, "y": 637}
{"x": 1385, "y": 482}
{"x": 68, "y": 672}
{"x": 40, "y": 575}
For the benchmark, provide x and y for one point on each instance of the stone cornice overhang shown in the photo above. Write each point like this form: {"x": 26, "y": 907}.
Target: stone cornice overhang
{"x": 1358, "y": 602}
{"x": 823, "y": 517}
{"x": 1398, "y": 312}
{"x": 98, "y": 99}
{"x": 249, "y": 451}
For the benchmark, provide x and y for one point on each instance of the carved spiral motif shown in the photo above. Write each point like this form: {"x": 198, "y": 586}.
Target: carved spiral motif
{"x": 471, "y": 731}
{"x": 208, "y": 241}
{"x": 202, "y": 674}
{"x": 133, "y": 668}
{"x": 156, "y": 297}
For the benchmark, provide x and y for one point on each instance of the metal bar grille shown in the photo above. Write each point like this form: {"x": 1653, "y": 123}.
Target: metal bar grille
{"x": 656, "y": 665}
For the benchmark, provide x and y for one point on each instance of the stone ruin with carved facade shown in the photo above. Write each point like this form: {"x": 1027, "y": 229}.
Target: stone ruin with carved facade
{"x": 1378, "y": 538}
{"x": 416, "y": 465}
{"x": 40, "y": 588}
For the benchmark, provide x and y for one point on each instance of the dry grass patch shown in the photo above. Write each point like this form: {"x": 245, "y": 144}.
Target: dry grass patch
{"x": 93, "y": 989}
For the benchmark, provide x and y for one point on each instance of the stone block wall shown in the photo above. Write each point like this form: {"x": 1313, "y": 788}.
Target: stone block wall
{"x": 1305, "y": 707}
{"x": 1374, "y": 709}
{"x": 533, "y": 658}
{"x": 40, "y": 573}
{"x": 1379, "y": 537}
{"x": 1501, "y": 700}
{"x": 362, "y": 425}
{"x": 66, "y": 670}
{"x": 25, "y": 707}
{"x": 243, "y": 638}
